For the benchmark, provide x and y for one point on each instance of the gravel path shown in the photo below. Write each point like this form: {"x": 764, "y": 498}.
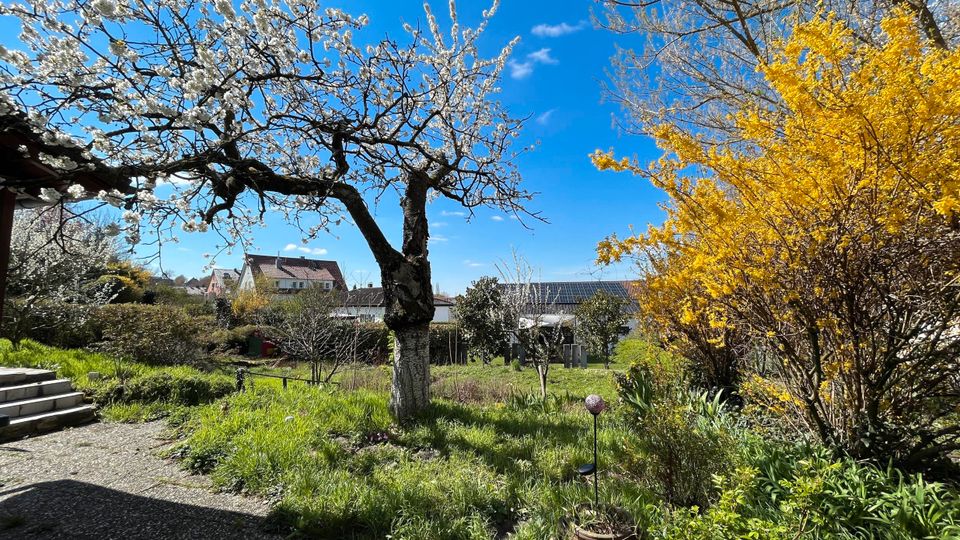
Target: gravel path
{"x": 106, "y": 481}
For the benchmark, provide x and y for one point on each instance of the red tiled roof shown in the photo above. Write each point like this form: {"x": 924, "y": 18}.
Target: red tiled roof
{"x": 296, "y": 268}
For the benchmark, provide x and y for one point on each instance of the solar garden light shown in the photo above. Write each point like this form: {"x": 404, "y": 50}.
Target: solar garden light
{"x": 595, "y": 405}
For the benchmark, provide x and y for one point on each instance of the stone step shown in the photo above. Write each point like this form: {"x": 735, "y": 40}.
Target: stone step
{"x": 38, "y": 405}
{"x": 46, "y": 421}
{"x": 17, "y": 376}
{"x": 36, "y": 389}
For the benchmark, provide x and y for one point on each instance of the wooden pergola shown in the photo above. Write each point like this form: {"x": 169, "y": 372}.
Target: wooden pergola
{"x": 23, "y": 176}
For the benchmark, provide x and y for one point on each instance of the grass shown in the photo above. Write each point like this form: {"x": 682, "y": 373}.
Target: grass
{"x": 472, "y": 383}
{"x": 339, "y": 468}
{"x": 490, "y": 459}
{"x": 125, "y": 391}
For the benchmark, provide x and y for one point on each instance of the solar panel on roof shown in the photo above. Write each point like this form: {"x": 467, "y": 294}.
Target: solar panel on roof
{"x": 574, "y": 292}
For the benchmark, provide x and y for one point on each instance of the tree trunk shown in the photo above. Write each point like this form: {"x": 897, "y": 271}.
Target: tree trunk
{"x": 407, "y": 292}
{"x": 410, "y": 390}
{"x": 542, "y": 372}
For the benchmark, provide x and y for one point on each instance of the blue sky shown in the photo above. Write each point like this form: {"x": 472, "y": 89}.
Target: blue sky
{"x": 554, "y": 78}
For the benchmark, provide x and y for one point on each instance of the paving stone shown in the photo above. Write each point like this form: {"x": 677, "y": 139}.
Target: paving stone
{"x": 107, "y": 481}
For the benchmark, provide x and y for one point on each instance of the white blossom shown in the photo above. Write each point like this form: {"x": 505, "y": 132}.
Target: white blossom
{"x": 76, "y": 191}
{"x": 106, "y": 8}
{"x": 49, "y": 195}
{"x": 131, "y": 217}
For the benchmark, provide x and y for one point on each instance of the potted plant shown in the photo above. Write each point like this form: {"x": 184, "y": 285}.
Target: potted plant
{"x": 603, "y": 523}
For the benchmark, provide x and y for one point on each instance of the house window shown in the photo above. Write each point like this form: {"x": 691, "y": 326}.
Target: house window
{"x": 276, "y": 284}
{"x": 326, "y": 284}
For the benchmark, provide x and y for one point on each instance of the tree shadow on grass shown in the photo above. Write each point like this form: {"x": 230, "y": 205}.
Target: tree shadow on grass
{"x": 71, "y": 509}
{"x": 504, "y": 457}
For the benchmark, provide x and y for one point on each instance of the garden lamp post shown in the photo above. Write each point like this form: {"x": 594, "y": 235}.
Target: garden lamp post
{"x": 595, "y": 405}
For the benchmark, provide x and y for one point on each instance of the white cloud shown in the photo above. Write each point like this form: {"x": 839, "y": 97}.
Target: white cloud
{"x": 439, "y": 224}
{"x": 438, "y": 238}
{"x": 305, "y": 249}
{"x": 544, "y": 118}
{"x": 473, "y": 264}
{"x": 557, "y": 30}
{"x": 456, "y": 213}
{"x": 542, "y": 57}
{"x": 176, "y": 179}
{"x": 522, "y": 70}
{"x": 496, "y": 218}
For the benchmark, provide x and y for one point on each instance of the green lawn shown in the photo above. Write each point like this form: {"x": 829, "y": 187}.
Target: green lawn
{"x": 470, "y": 383}
{"x": 340, "y": 468}
{"x": 492, "y": 460}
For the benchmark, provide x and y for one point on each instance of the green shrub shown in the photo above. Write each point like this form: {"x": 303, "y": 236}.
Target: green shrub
{"x": 638, "y": 352}
{"x": 153, "y": 334}
{"x": 123, "y": 288}
{"x": 447, "y": 344}
{"x": 203, "y": 310}
{"x": 802, "y": 492}
{"x": 181, "y": 387}
{"x": 59, "y": 325}
{"x": 685, "y": 439}
{"x": 375, "y": 344}
{"x": 233, "y": 340}
{"x": 679, "y": 454}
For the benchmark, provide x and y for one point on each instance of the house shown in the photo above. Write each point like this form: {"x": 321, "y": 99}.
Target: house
{"x": 561, "y": 298}
{"x": 222, "y": 281}
{"x": 367, "y": 304}
{"x": 289, "y": 275}
{"x": 192, "y": 286}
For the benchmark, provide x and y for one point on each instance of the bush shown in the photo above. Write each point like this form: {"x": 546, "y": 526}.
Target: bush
{"x": 234, "y": 340}
{"x": 685, "y": 439}
{"x": 175, "y": 386}
{"x": 374, "y": 342}
{"x": 57, "y": 324}
{"x": 789, "y": 492}
{"x": 123, "y": 289}
{"x": 638, "y": 351}
{"x": 224, "y": 313}
{"x": 679, "y": 453}
{"x": 447, "y": 344}
{"x": 153, "y": 334}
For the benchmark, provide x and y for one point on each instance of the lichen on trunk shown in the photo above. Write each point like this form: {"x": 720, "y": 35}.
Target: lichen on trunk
{"x": 410, "y": 389}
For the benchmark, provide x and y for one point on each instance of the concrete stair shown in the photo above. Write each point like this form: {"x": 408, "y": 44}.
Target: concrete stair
{"x": 35, "y": 401}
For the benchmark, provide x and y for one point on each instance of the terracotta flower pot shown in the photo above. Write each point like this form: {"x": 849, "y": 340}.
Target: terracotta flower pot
{"x": 583, "y": 534}
{"x": 587, "y": 531}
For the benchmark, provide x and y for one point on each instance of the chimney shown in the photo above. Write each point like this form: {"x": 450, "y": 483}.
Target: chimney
{"x": 303, "y": 257}
{"x": 278, "y": 261}
{"x": 369, "y": 285}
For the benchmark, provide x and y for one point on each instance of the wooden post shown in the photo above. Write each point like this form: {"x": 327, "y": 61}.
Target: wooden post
{"x": 8, "y": 200}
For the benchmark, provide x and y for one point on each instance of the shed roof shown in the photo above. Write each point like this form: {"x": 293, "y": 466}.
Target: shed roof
{"x": 373, "y": 297}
